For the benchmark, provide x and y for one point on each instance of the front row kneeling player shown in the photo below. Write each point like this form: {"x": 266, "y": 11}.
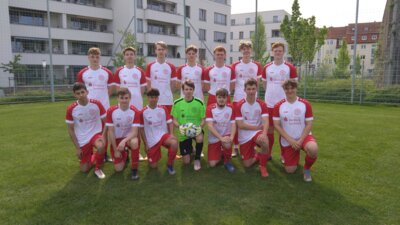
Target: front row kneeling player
{"x": 123, "y": 122}
{"x": 84, "y": 118}
{"x": 221, "y": 125}
{"x": 252, "y": 122}
{"x": 293, "y": 120}
{"x": 157, "y": 130}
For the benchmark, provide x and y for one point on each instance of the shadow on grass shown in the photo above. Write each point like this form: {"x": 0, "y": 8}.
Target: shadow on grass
{"x": 209, "y": 196}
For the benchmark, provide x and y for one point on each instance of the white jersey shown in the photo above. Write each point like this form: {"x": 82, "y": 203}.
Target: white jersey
{"x": 252, "y": 115}
{"x": 86, "y": 120}
{"x": 219, "y": 77}
{"x": 222, "y": 119}
{"x": 122, "y": 121}
{"x": 97, "y": 83}
{"x": 243, "y": 72}
{"x": 195, "y": 74}
{"x": 293, "y": 117}
{"x": 275, "y": 75}
{"x": 133, "y": 79}
{"x": 154, "y": 122}
{"x": 161, "y": 76}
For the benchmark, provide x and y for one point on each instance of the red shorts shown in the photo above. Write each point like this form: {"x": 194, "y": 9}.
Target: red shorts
{"x": 169, "y": 108}
{"x": 247, "y": 150}
{"x": 291, "y": 156}
{"x": 154, "y": 153}
{"x": 215, "y": 151}
{"x": 87, "y": 150}
{"x": 270, "y": 115}
{"x": 124, "y": 154}
{"x": 213, "y": 99}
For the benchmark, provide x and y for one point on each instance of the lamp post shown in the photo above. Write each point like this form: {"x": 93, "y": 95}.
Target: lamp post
{"x": 44, "y": 63}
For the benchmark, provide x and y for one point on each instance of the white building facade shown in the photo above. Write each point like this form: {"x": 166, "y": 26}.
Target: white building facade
{"x": 77, "y": 25}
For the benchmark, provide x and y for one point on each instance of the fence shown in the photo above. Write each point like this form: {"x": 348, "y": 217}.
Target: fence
{"x": 370, "y": 87}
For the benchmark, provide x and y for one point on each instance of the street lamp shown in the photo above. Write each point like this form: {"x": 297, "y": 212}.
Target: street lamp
{"x": 44, "y": 63}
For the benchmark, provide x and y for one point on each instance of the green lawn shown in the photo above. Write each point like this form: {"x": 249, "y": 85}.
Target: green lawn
{"x": 356, "y": 178}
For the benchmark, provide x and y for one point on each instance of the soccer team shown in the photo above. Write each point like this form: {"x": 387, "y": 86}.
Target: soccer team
{"x": 247, "y": 124}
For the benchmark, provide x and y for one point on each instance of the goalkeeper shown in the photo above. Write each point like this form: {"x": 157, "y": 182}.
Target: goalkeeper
{"x": 188, "y": 115}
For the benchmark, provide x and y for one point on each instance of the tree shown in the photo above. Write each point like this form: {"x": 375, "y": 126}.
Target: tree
{"x": 129, "y": 41}
{"x": 259, "y": 40}
{"x": 14, "y": 67}
{"x": 303, "y": 38}
{"x": 342, "y": 62}
{"x": 358, "y": 65}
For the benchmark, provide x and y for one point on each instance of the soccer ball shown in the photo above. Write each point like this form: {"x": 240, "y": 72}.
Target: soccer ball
{"x": 190, "y": 130}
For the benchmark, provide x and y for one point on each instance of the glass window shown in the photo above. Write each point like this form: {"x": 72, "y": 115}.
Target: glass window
{"x": 364, "y": 37}
{"x": 187, "y": 32}
{"x": 140, "y": 25}
{"x": 139, "y": 4}
{"x": 219, "y": 18}
{"x": 187, "y": 11}
{"x": 219, "y": 36}
{"x": 202, "y": 15}
{"x": 247, "y": 21}
{"x": 202, "y": 34}
{"x": 240, "y": 34}
{"x": 275, "y": 19}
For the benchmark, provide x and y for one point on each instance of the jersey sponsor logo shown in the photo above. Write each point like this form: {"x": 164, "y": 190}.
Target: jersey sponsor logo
{"x": 256, "y": 113}
{"x": 251, "y": 71}
{"x": 166, "y": 72}
{"x": 224, "y": 74}
{"x": 160, "y": 115}
{"x": 101, "y": 77}
{"x": 197, "y": 73}
{"x": 297, "y": 111}
{"x": 282, "y": 73}
{"x": 135, "y": 76}
{"x": 92, "y": 112}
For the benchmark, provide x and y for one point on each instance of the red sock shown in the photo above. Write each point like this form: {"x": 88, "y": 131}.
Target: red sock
{"x": 270, "y": 143}
{"x": 171, "y": 157}
{"x": 93, "y": 159}
{"x": 135, "y": 158}
{"x": 263, "y": 158}
{"x": 309, "y": 162}
{"x": 99, "y": 159}
{"x": 227, "y": 155}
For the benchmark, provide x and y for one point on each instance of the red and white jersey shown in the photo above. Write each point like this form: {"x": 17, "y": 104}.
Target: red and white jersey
{"x": 86, "y": 119}
{"x": 161, "y": 76}
{"x": 293, "y": 117}
{"x": 97, "y": 83}
{"x": 275, "y": 75}
{"x": 219, "y": 77}
{"x": 133, "y": 79}
{"x": 243, "y": 72}
{"x": 251, "y": 114}
{"x": 222, "y": 119}
{"x": 155, "y": 123}
{"x": 122, "y": 121}
{"x": 195, "y": 74}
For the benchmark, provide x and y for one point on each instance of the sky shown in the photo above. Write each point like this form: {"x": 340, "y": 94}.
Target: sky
{"x": 327, "y": 12}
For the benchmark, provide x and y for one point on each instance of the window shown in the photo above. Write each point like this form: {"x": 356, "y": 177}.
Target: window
{"x": 352, "y": 38}
{"x": 372, "y": 61}
{"x": 363, "y": 46}
{"x": 240, "y": 34}
{"x": 219, "y": 37}
{"x": 83, "y": 24}
{"x": 251, "y": 33}
{"x": 374, "y": 37}
{"x": 351, "y": 47}
{"x": 187, "y": 32}
{"x": 231, "y": 48}
{"x": 364, "y": 37}
{"x": 275, "y": 33}
{"x": 365, "y": 28}
{"x": 230, "y": 60}
{"x": 233, "y": 22}
{"x": 26, "y": 17}
{"x": 220, "y": 1}
{"x": 231, "y": 35}
{"x": 202, "y": 34}
{"x": 202, "y": 54}
{"x": 219, "y": 18}
{"x": 139, "y": 4}
{"x": 275, "y": 19}
{"x": 140, "y": 25}
{"x": 187, "y": 11}
{"x": 202, "y": 15}
{"x": 139, "y": 50}
{"x": 247, "y": 21}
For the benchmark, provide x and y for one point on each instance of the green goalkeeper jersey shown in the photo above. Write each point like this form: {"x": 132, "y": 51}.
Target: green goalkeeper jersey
{"x": 188, "y": 112}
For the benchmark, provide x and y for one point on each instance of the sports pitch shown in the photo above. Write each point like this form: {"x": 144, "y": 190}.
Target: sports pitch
{"x": 356, "y": 179}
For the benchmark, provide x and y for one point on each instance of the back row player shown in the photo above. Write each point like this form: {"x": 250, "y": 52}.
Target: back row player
{"x": 163, "y": 76}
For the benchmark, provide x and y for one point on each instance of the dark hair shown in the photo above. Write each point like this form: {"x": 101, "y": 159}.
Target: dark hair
{"x": 78, "y": 86}
{"x": 250, "y": 82}
{"x": 123, "y": 91}
{"x": 153, "y": 92}
{"x": 188, "y": 83}
{"x": 222, "y": 92}
{"x": 289, "y": 83}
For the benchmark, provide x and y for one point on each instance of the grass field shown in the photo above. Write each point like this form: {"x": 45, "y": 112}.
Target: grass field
{"x": 356, "y": 178}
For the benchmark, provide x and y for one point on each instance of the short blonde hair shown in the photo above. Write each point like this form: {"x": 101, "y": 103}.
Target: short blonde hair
{"x": 289, "y": 83}
{"x": 129, "y": 49}
{"x": 219, "y": 48}
{"x": 191, "y": 48}
{"x": 94, "y": 51}
{"x": 161, "y": 44}
{"x": 245, "y": 43}
{"x": 278, "y": 44}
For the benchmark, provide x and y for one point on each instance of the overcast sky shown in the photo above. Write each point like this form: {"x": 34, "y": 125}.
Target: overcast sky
{"x": 327, "y": 12}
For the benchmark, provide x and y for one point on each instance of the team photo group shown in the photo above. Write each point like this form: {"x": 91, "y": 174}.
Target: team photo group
{"x": 243, "y": 126}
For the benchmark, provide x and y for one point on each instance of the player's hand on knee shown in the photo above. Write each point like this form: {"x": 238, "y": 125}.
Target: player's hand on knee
{"x": 117, "y": 154}
{"x": 121, "y": 146}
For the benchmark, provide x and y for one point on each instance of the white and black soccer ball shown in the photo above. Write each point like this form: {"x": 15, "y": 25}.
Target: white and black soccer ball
{"x": 190, "y": 130}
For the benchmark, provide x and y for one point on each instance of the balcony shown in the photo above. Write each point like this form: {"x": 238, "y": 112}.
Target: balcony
{"x": 81, "y": 48}
{"x": 166, "y": 16}
{"x": 92, "y": 3}
{"x": 35, "y": 46}
{"x": 80, "y": 23}
{"x": 33, "y": 17}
